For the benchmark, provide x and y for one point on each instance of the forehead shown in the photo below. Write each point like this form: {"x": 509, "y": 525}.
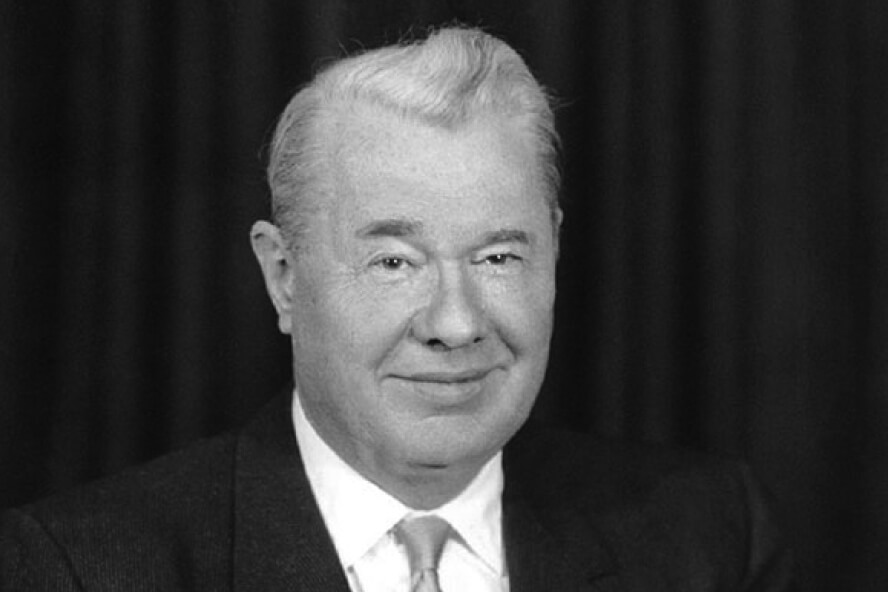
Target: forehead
{"x": 384, "y": 166}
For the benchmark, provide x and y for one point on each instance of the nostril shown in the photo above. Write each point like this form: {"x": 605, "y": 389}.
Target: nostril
{"x": 437, "y": 344}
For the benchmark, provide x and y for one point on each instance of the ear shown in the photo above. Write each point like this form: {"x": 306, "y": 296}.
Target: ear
{"x": 557, "y": 219}
{"x": 276, "y": 262}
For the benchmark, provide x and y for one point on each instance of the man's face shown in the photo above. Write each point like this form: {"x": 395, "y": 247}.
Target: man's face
{"x": 422, "y": 295}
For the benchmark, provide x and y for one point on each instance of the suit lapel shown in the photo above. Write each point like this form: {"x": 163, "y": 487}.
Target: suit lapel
{"x": 280, "y": 540}
{"x": 549, "y": 547}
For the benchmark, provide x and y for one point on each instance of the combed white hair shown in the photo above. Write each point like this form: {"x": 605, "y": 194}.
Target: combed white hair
{"x": 449, "y": 79}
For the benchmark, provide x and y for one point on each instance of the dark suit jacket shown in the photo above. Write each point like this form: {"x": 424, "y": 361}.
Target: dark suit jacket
{"x": 237, "y": 513}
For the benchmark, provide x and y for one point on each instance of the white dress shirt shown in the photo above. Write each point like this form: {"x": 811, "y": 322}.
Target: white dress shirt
{"x": 360, "y": 517}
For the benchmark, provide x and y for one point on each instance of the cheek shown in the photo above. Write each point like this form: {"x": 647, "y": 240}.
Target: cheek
{"x": 522, "y": 312}
{"x": 361, "y": 325}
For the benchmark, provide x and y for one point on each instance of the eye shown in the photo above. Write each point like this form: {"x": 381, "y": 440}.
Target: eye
{"x": 392, "y": 263}
{"x": 500, "y": 259}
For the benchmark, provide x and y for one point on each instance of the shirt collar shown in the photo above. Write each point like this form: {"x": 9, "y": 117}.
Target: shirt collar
{"x": 358, "y": 513}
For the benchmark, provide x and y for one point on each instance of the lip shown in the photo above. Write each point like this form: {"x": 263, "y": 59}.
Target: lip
{"x": 446, "y": 388}
{"x": 447, "y": 377}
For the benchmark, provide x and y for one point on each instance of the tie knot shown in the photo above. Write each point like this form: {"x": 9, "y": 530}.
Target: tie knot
{"x": 424, "y": 538}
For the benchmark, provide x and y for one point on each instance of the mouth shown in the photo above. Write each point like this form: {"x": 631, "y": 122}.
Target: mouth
{"x": 446, "y": 388}
{"x": 463, "y": 377}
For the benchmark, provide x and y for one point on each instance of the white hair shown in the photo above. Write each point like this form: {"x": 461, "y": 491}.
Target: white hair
{"x": 449, "y": 79}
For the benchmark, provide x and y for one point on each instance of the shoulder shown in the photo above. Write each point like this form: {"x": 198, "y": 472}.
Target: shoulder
{"x": 153, "y": 516}
{"x": 180, "y": 482}
{"x": 615, "y": 472}
{"x": 657, "y": 509}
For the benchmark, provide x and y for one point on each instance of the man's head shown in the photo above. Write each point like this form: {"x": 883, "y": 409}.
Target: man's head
{"x": 413, "y": 257}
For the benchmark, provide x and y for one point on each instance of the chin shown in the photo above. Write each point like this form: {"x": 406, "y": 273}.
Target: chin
{"x": 441, "y": 454}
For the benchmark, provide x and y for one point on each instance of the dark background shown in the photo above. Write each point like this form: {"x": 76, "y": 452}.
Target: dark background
{"x": 724, "y": 279}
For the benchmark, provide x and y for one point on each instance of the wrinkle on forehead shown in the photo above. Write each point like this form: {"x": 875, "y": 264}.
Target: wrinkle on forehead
{"x": 370, "y": 143}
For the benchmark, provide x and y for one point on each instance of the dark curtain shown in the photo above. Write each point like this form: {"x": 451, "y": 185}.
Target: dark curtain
{"x": 724, "y": 278}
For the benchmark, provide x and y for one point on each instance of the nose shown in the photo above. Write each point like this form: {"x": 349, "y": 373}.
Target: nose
{"x": 453, "y": 317}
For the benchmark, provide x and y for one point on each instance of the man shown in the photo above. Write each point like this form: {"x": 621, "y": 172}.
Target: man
{"x": 412, "y": 263}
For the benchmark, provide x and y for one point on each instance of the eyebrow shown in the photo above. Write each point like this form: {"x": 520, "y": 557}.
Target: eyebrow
{"x": 403, "y": 227}
{"x": 506, "y": 235}
{"x": 397, "y": 227}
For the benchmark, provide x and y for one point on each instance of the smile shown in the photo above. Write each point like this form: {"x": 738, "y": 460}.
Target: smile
{"x": 446, "y": 388}
{"x": 448, "y": 377}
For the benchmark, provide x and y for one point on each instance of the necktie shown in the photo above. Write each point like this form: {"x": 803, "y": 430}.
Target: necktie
{"x": 424, "y": 538}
